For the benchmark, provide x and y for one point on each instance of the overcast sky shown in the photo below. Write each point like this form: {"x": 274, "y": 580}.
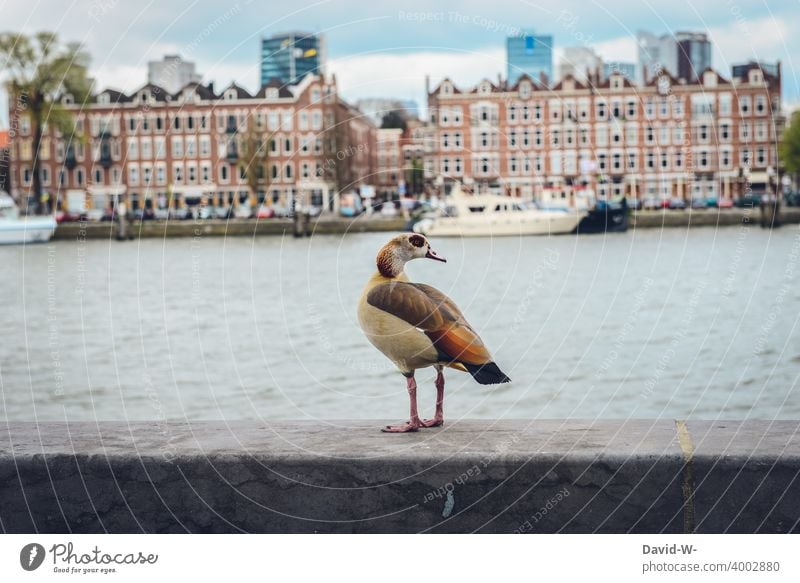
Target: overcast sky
{"x": 384, "y": 48}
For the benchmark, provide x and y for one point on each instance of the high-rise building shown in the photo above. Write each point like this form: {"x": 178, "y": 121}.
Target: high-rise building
{"x": 626, "y": 69}
{"x": 172, "y": 73}
{"x": 290, "y": 56}
{"x": 694, "y": 54}
{"x": 656, "y": 53}
{"x": 530, "y": 54}
{"x": 581, "y": 63}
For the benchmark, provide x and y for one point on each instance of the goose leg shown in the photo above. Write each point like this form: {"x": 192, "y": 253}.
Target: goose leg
{"x": 438, "y": 417}
{"x": 415, "y": 422}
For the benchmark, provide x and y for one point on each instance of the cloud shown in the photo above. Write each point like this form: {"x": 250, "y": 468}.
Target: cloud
{"x": 403, "y": 75}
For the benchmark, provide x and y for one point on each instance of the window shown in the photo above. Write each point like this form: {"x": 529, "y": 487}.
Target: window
{"x": 725, "y": 132}
{"x": 725, "y": 104}
{"x": 133, "y": 149}
{"x": 223, "y": 173}
{"x": 744, "y": 105}
{"x": 761, "y": 104}
{"x": 601, "y": 110}
{"x": 133, "y": 175}
{"x": 177, "y": 173}
{"x": 177, "y": 147}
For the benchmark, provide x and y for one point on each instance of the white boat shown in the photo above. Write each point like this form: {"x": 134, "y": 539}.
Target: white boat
{"x": 16, "y": 230}
{"x": 494, "y": 215}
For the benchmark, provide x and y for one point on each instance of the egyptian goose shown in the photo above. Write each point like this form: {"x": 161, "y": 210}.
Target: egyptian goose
{"x": 416, "y": 326}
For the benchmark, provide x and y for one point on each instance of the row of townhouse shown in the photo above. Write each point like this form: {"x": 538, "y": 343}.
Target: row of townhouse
{"x": 711, "y": 138}
{"x": 155, "y": 149}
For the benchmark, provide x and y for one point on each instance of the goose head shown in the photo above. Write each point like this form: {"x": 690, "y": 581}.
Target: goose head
{"x": 393, "y": 256}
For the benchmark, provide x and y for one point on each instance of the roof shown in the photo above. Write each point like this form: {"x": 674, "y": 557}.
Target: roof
{"x": 240, "y": 93}
{"x": 283, "y": 90}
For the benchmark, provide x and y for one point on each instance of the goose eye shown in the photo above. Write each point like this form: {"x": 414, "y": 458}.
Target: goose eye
{"x": 416, "y": 240}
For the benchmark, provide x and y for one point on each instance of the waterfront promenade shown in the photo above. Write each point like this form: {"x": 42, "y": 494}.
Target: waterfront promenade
{"x": 545, "y": 476}
{"x": 339, "y": 225}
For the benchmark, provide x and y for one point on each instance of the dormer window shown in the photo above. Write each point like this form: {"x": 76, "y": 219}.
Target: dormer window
{"x": 525, "y": 89}
{"x": 756, "y": 77}
{"x": 709, "y": 79}
{"x": 144, "y": 96}
{"x": 485, "y": 88}
{"x": 104, "y": 99}
{"x": 616, "y": 82}
{"x": 230, "y": 94}
{"x": 447, "y": 88}
{"x": 68, "y": 99}
{"x": 272, "y": 93}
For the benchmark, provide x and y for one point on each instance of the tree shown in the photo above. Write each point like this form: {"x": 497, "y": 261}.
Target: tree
{"x": 40, "y": 70}
{"x": 789, "y": 148}
{"x": 255, "y": 159}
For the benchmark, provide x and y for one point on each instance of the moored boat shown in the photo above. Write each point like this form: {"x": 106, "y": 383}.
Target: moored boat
{"x": 15, "y": 230}
{"x": 492, "y": 215}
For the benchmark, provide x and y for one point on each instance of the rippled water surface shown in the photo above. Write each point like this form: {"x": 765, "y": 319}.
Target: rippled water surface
{"x": 673, "y": 323}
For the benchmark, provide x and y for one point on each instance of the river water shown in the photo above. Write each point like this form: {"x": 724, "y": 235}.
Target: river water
{"x": 674, "y": 323}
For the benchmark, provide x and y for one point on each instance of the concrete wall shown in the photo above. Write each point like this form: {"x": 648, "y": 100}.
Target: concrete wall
{"x": 336, "y": 225}
{"x": 346, "y": 476}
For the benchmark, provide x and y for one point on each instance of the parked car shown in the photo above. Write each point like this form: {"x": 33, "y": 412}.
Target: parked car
{"x": 651, "y": 204}
{"x": 95, "y": 214}
{"x": 161, "y": 214}
{"x": 752, "y": 200}
{"x": 243, "y": 211}
{"x": 725, "y": 203}
{"x": 676, "y": 203}
{"x": 699, "y": 203}
{"x": 792, "y": 198}
{"x": 634, "y": 204}
{"x": 265, "y": 212}
{"x": 223, "y": 212}
{"x": 180, "y": 214}
{"x": 282, "y": 211}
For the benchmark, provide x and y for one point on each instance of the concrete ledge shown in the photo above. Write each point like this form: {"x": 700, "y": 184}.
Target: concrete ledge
{"x": 345, "y": 476}
{"x": 221, "y": 228}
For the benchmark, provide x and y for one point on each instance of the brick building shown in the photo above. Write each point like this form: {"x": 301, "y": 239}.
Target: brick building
{"x": 161, "y": 150}
{"x": 711, "y": 138}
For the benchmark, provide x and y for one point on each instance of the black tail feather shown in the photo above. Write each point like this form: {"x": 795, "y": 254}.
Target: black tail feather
{"x": 486, "y": 374}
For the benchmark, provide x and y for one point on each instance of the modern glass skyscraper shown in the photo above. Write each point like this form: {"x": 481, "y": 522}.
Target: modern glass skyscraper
{"x": 694, "y": 54}
{"x": 291, "y": 56}
{"x": 530, "y": 54}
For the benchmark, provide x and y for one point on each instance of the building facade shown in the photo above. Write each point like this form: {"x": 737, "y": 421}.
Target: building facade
{"x": 712, "y": 138}
{"x": 529, "y": 54}
{"x": 290, "y": 56}
{"x": 158, "y": 150}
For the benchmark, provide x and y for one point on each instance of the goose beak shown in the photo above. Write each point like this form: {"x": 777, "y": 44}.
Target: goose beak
{"x": 431, "y": 254}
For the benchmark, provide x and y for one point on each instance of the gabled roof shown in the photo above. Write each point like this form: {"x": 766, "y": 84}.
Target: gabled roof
{"x": 494, "y": 87}
{"x": 283, "y": 90}
{"x": 115, "y": 96}
{"x": 720, "y": 79}
{"x": 569, "y": 77}
{"x": 606, "y": 83}
{"x": 158, "y": 93}
{"x": 240, "y": 93}
{"x": 442, "y": 82}
{"x": 524, "y": 77}
{"x": 205, "y": 92}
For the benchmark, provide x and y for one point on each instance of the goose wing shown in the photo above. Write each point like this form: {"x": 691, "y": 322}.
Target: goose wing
{"x": 432, "y": 312}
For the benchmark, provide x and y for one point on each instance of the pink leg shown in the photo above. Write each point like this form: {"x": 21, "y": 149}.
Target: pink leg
{"x": 438, "y": 418}
{"x": 415, "y": 422}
